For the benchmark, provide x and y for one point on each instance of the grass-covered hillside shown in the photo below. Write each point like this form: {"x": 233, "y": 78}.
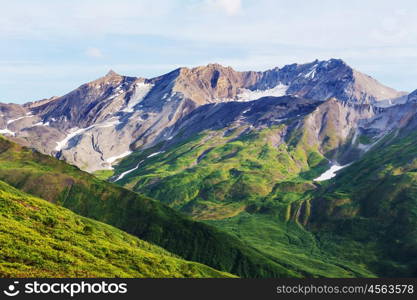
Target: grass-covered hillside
{"x": 219, "y": 174}
{"x": 374, "y": 202}
{"x": 39, "y": 239}
{"x": 305, "y": 253}
{"x": 66, "y": 185}
{"x": 252, "y": 188}
{"x": 363, "y": 223}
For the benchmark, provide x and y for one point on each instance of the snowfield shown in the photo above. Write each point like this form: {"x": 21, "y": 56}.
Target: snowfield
{"x": 141, "y": 90}
{"x": 248, "y": 95}
{"x": 7, "y": 131}
{"x": 112, "y": 159}
{"x": 127, "y": 172}
{"x": 330, "y": 173}
{"x": 61, "y": 144}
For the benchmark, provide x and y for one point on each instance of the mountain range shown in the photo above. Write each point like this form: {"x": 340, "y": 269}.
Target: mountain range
{"x": 234, "y": 170}
{"x": 80, "y": 126}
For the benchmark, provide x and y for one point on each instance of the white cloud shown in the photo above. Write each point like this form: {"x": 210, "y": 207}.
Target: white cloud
{"x": 298, "y": 22}
{"x": 230, "y": 7}
{"x": 93, "y": 52}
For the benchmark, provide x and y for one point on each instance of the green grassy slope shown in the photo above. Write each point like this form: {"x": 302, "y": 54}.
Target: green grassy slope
{"x": 374, "y": 202}
{"x": 362, "y": 223}
{"x": 252, "y": 188}
{"x": 57, "y": 182}
{"x": 306, "y": 253}
{"x": 219, "y": 172}
{"x": 39, "y": 239}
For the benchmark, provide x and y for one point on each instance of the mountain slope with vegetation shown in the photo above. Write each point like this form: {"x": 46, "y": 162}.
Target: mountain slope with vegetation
{"x": 374, "y": 201}
{"x": 265, "y": 208}
{"x": 40, "y": 239}
{"x": 245, "y": 156}
{"x": 238, "y": 152}
{"x": 255, "y": 180}
{"x": 255, "y": 185}
{"x": 66, "y": 185}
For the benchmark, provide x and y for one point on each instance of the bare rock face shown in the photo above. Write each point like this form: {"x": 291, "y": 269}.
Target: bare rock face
{"x": 90, "y": 103}
{"x": 319, "y": 80}
{"x": 333, "y": 128}
{"x": 104, "y": 120}
{"x": 35, "y": 104}
{"x": 253, "y": 115}
{"x": 213, "y": 83}
{"x": 331, "y": 79}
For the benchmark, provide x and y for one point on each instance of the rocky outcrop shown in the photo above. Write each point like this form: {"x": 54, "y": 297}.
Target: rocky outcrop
{"x": 213, "y": 83}
{"x": 90, "y": 103}
{"x": 332, "y": 127}
{"x": 322, "y": 80}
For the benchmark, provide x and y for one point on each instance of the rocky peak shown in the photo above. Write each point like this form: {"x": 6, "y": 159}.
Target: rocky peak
{"x": 111, "y": 78}
{"x": 88, "y": 103}
{"x": 333, "y": 61}
{"x": 212, "y": 83}
{"x": 317, "y": 80}
{"x": 321, "y": 80}
{"x": 412, "y": 97}
{"x": 111, "y": 73}
{"x": 368, "y": 90}
{"x": 208, "y": 70}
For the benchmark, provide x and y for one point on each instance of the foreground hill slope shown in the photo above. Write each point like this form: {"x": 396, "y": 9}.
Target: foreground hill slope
{"x": 40, "y": 239}
{"x": 66, "y": 185}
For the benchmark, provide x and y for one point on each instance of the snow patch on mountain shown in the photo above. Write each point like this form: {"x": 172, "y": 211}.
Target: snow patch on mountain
{"x": 61, "y": 144}
{"x": 75, "y": 131}
{"x": 154, "y": 154}
{"x": 248, "y": 95}
{"x": 311, "y": 74}
{"x": 141, "y": 90}
{"x": 112, "y": 159}
{"x": 14, "y": 120}
{"x": 7, "y": 131}
{"x": 331, "y": 172}
{"x": 127, "y": 172}
{"x": 40, "y": 124}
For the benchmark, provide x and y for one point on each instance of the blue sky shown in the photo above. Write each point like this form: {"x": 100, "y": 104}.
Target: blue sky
{"x": 50, "y": 47}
